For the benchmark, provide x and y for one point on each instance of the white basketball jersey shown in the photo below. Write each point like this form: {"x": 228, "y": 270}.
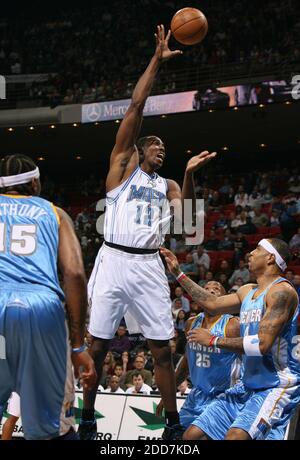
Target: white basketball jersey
{"x": 138, "y": 212}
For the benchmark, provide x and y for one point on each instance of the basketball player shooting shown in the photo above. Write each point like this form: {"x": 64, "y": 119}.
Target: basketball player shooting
{"x": 128, "y": 274}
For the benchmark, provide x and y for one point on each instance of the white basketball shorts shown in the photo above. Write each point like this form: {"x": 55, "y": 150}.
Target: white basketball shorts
{"x": 136, "y": 283}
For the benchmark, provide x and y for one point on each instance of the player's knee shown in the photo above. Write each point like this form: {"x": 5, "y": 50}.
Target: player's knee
{"x": 161, "y": 352}
{"x": 99, "y": 349}
{"x": 237, "y": 435}
{"x": 193, "y": 434}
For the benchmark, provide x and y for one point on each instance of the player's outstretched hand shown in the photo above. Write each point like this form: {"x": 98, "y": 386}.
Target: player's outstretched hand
{"x": 84, "y": 369}
{"x": 198, "y": 161}
{"x": 163, "y": 52}
{"x": 171, "y": 260}
{"x": 199, "y": 335}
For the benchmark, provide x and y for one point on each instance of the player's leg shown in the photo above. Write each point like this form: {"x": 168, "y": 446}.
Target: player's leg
{"x": 264, "y": 413}
{"x": 88, "y": 426}
{"x": 108, "y": 305}
{"x": 193, "y": 433}
{"x": 13, "y": 409}
{"x": 8, "y": 428}
{"x": 165, "y": 380}
{"x": 42, "y": 379}
{"x": 236, "y": 434}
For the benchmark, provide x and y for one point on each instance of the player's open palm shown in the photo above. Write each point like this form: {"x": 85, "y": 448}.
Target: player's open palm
{"x": 163, "y": 51}
{"x": 171, "y": 260}
{"x": 198, "y": 161}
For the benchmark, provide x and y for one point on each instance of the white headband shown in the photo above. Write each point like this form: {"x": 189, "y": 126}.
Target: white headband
{"x": 18, "y": 179}
{"x": 268, "y": 247}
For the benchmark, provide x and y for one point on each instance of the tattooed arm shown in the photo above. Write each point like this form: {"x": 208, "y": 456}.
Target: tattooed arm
{"x": 209, "y": 302}
{"x": 281, "y": 302}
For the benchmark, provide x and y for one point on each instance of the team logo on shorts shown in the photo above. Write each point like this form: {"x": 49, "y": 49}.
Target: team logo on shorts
{"x": 264, "y": 427}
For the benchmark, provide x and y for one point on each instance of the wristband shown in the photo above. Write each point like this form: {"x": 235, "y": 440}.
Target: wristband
{"x": 251, "y": 345}
{"x": 79, "y": 349}
{"x": 180, "y": 276}
{"x": 213, "y": 341}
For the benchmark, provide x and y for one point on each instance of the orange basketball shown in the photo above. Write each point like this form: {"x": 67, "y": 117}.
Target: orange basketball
{"x": 189, "y": 26}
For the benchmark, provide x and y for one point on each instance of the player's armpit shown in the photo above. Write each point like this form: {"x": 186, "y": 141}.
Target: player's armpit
{"x": 281, "y": 302}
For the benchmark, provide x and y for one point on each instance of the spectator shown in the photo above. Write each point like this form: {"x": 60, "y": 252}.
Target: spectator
{"x": 240, "y": 245}
{"x": 241, "y": 198}
{"x": 138, "y": 385}
{"x": 224, "y": 269}
{"x": 238, "y": 283}
{"x": 222, "y": 222}
{"x": 179, "y": 294}
{"x": 294, "y": 243}
{"x": 189, "y": 267}
{"x": 139, "y": 365}
{"x": 241, "y": 272}
{"x": 176, "y": 308}
{"x": 248, "y": 228}
{"x": 209, "y": 276}
{"x": 274, "y": 219}
{"x": 201, "y": 258}
{"x": 289, "y": 275}
{"x": 259, "y": 218}
{"x": 226, "y": 244}
{"x": 121, "y": 342}
{"x": 213, "y": 242}
{"x": 224, "y": 281}
{"x": 114, "y": 385}
{"x": 175, "y": 356}
{"x": 181, "y": 319}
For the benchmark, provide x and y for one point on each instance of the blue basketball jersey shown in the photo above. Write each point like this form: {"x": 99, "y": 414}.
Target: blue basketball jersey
{"x": 28, "y": 242}
{"x": 280, "y": 367}
{"x": 212, "y": 370}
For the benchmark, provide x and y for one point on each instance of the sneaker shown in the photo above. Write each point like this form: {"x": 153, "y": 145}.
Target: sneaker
{"x": 172, "y": 433}
{"x": 87, "y": 430}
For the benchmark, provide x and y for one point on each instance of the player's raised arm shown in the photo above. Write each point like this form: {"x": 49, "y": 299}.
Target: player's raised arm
{"x": 209, "y": 302}
{"x": 74, "y": 283}
{"x": 124, "y": 158}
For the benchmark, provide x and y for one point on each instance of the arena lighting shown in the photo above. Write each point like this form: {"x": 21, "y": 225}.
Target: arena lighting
{"x": 52, "y": 126}
{"x": 261, "y": 106}
{"x": 225, "y": 149}
{"x": 235, "y": 108}
{"x": 41, "y": 158}
{"x": 164, "y": 116}
{"x": 75, "y": 125}
{"x": 31, "y": 128}
{"x": 117, "y": 121}
{"x": 288, "y": 103}
{"x": 97, "y": 123}
{"x": 211, "y": 111}
{"x": 10, "y": 130}
{"x": 263, "y": 146}
{"x": 188, "y": 151}
{"x": 78, "y": 157}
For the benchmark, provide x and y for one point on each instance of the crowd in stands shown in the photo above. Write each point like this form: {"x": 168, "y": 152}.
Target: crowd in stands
{"x": 96, "y": 53}
{"x": 240, "y": 211}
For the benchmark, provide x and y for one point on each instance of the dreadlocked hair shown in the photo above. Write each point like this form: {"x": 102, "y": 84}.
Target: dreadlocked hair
{"x": 12, "y": 165}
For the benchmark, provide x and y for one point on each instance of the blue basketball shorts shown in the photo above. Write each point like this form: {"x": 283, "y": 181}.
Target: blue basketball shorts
{"x": 35, "y": 360}
{"x": 262, "y": 414}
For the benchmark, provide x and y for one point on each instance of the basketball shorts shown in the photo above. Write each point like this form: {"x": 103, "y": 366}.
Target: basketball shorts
{"x": 133, "y": 283}
{"x": 35, "y": 360}
{"x": 262, "y": 414}
{"x": 194, "y": 405}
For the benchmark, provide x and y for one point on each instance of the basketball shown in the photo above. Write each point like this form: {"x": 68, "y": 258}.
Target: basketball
{"x": 189, "y": 26}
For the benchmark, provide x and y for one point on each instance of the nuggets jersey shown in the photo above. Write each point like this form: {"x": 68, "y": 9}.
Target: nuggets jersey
{"x": 138, "y": 212}
{"x": 212, "y": 370}
{"x": 28, "y": 242}
{"x": 280, "y": 367}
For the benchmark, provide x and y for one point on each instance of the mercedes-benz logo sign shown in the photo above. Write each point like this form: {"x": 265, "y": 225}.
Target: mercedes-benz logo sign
{"x": 93, "y": 112}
